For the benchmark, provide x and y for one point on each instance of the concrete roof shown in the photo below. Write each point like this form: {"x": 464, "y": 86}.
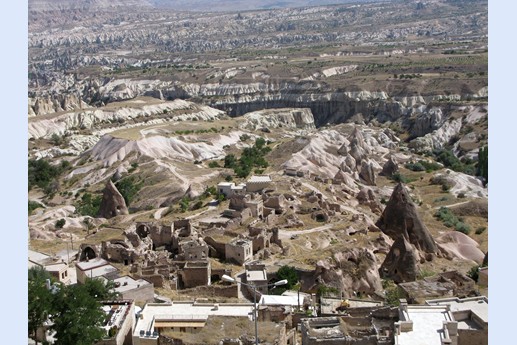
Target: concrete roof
{"x": 259, "y": 178}
{"x": 281, "y": 300}
{"x": 130, "y": 283}
{"x": 256, "y": 275}
{"x": 187, "y": 311}
{"x": 478, "y": 305}
{"x": 37, "y": 256}
{"x": 100, "y": 271}
{"x": 427, "y": 326}
{"x": 92, "y": 263}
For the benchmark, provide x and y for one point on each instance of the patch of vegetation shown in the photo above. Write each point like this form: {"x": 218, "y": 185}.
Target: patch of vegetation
{"x": 449, "y": 160}
{"x": 473, "y": 273}
{"x": 213, "y": 164}
{"x": 450, "y": 220}
{"x": 129, "y": 187}
{"x": 88, "y": 205}
{"x": 289, "y": 273}
{"x": 42, "y": 173}
{"x": 482, "y": 166}
{"x": 251, "y": 157}
{"x": 60, "y": 223}
{"x": 398, "y": 177}
{"x": 324, "y": 290}
{"x": 480, "y": 230}
{"x": 422, "y": 165}
{"x": 440, "y": 199}
{"x": 33, "y": 205}
{"x": 425, "y": 273}
{"x": 392, "y": 293}
{"x": 184, "y": 203}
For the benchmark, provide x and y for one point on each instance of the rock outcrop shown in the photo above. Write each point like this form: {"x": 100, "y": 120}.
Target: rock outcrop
{"x": 351, "y": 271}
{"x": 400, "y": 264}
{"x": 113, "y": 203}
{"x": 390, "y": 167}
{"x": 293, "y": 118}
{"x": 400, "y": 219}
{"x": 367, "y": 173}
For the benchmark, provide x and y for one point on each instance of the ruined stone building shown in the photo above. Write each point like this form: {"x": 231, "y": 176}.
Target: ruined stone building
{"x": 239, "y": 250}
{"x": 194, "y": 273}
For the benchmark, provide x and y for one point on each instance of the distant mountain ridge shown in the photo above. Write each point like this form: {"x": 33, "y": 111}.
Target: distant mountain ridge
{"x": 52, "y": 5}
{"x": 180, "y": 5}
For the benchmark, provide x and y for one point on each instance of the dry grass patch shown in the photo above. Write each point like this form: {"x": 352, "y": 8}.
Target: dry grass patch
{"x": 218, "y": 327}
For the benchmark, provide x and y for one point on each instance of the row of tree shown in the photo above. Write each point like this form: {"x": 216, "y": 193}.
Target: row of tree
{"x": 72, "y": 311}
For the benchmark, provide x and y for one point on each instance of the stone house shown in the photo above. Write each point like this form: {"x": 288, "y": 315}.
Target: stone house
{"x": 194, "y": 273}
{"x": 257, "y": 183}
{"x": 239, "y": 250}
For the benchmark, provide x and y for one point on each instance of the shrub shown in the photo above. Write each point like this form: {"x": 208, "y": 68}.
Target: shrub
{"x": 474, "y": 273}
{"x": 462, "y": 227}
{"x": 33, "y": 205}
{"x": 480, "y": 230}
{"x": 244, "y": 137}
{"x": 184, "y": 203}
{"x": 414, "y": 166}
{"x": 398, "y": 177}
{"x": 213, "y": 164}
{"x": 60, "y": 223}
{"x": 450, "y": 220}
{"x": 392, "y": 293}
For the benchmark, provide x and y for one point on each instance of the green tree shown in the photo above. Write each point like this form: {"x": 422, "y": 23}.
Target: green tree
{"x": 230, "y": 161}
{"x": 128, "y": 187}
{"x": 184, "y": 203}
{"x": 88, "y": 205}
{"x": 39, "y": 299}
{"x": 289, "y": 273}
{"x": 60, "y": 223}
{"x": 482, "y": 166}
{"x": 77, "y": 316}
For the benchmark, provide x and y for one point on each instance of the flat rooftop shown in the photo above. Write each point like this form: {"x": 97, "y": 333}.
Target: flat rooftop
{"x": 256, "y": 275}
{"x": 115, "y": 314}
{"x": 188, "y": 312}
{"x": 427, "y": 326}
{"x": 92, "y": 263}
{"x": 127, "y": 283}
{"x": 259, "y": 178}
{"x": 478, "y": 305}
{"x": 37, "y": 257}
{"x": 281, "y": 300}
{"x": 100, "y": 271}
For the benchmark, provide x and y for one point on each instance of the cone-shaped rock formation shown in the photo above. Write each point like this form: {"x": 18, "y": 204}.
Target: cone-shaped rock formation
{"x": 113, "y": 203}
{"x": 400, "y": 219}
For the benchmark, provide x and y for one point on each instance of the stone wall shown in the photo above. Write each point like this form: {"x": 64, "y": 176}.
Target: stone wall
{"x": 228, "y": 291}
